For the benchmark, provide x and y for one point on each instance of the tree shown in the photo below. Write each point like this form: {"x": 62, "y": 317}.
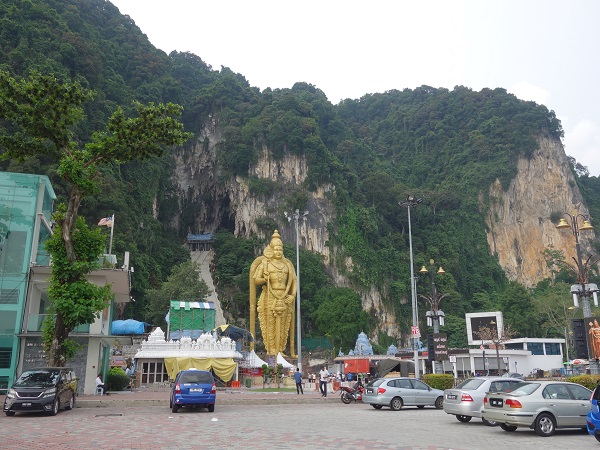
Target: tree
{"x": 497, "y": 337}
{"x": 183, "y": 284}
{"x": 41, "y": 114}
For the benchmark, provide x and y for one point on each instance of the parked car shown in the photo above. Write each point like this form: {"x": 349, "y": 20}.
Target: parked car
{"x": 465, "y": 401}
{"x": 193, "y": 388}
{"x": 46, "y": 389}
{"x": 541, "y": 405}
{"x": 513, "y": 375}
{"x": 399, "y": 392}
{"x": 593, "y": 417}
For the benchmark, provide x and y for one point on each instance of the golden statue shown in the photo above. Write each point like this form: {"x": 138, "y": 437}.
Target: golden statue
{"x": 276, "y": 309}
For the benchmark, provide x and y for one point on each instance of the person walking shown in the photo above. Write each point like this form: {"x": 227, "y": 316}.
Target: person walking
{"x": 323, "y": 376}
{"x": 298, "y": 379}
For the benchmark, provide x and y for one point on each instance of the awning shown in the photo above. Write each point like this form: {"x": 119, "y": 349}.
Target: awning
{"x": 224, "y": 368}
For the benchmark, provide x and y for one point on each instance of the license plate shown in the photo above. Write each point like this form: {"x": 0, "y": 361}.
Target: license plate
{"x": 196, "y": 390}
{"x": 26, "y": 404}
{"x": 451, "y": 397}
{"x": 497, "y": 402}
{"x": 369, "y": 391}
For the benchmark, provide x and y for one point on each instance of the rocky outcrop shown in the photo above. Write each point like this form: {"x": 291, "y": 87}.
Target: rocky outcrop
{"x": 519, "y": 219}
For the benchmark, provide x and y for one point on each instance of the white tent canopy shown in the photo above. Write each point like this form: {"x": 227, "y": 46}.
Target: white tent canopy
{"x": 254, "y": 361}
{"x": 283, "y": 362}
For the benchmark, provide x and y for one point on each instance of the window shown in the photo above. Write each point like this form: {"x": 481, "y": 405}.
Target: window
{"x": 154, "y": 371}
{"x": 579, "y": 392}
{"x": 420, "y": 385}
{"x": 536, "y": 348}
{"x": 552, "y": 349}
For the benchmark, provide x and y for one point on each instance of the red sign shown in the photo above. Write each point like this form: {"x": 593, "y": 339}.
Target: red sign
{"x": 414, "y": 331}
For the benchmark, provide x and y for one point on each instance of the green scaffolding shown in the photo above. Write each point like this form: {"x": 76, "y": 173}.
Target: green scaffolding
{"x": 192, "y": 316}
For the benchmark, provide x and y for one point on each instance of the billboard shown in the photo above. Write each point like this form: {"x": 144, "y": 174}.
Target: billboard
{"x": 475, "y": 321}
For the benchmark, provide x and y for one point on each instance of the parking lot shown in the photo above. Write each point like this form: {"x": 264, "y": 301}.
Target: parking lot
{"x": 329, "y": 424}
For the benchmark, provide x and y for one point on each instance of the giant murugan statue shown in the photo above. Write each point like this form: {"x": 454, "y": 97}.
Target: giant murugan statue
{"x": 276, "y": 308}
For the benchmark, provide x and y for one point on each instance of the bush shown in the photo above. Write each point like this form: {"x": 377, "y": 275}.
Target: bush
{"x": 589, "y": 381}
{"x": 116, "y": 380}
{"x": 439, "y": 380}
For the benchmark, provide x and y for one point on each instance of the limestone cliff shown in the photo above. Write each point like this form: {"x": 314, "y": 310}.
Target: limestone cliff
{"x": 519, "y": 226}
{"x": 518, "y": 219}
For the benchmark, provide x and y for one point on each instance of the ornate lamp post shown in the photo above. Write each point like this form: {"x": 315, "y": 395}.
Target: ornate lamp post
{"x": 582, "y": 290}
{"x": 435, "y": 316}
{"x": 297, "y": 216}
{"x": 411, "y": 202}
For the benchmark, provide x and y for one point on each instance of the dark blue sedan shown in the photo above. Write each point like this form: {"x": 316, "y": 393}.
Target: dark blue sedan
{"x": 194, "y": 388}
{"x": 593, "y": 417}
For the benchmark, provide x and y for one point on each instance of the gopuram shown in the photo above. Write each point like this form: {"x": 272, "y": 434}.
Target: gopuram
{"x": 275, "y": 307}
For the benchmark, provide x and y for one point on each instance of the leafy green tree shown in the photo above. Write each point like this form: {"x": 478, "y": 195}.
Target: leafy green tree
{"x": 340, "y": 316}
{"x": 183, "y": 284}
{"x": 42, "y": 113}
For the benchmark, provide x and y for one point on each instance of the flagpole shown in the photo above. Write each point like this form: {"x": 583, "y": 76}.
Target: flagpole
{"x": 112, "y": 229}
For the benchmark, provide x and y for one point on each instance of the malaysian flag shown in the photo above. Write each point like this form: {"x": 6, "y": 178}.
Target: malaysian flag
{"x": 108, "y": 221}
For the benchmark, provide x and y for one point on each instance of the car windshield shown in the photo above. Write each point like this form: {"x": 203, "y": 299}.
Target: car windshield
{"x": 471, "y": 384}
{"x": 196, "y": 377}
{"x": 34, "y": 378}
{"x": 523, "y": 388}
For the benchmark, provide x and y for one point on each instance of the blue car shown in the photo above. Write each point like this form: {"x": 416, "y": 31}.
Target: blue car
{"x": 193, "y": 388}
{"x": 593, "y": 417}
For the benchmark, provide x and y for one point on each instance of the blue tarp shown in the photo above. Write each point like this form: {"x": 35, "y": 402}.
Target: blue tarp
{"x": 128, "y": 326}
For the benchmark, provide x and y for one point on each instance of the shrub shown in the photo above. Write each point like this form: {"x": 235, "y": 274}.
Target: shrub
{"x": 439, "y": 380}
{"x": 116, "y": 380}
{"x": 589, "y": 381}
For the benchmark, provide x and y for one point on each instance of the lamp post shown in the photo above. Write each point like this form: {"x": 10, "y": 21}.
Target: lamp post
{"x": 435, "y": 316}
{"x": 411, "y": 202}
{"x": 297, "y": 216}
{"x": 582, "y": 289}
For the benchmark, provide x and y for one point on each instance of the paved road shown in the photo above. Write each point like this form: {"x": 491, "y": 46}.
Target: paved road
{"x": 324, "y": 425}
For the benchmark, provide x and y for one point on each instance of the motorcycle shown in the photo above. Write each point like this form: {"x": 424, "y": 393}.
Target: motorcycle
{"x": 354, "y": 393}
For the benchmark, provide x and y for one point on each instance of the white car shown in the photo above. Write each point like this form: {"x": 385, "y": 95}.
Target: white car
{"x": 398, "y": 392}
{"x": 466, "y": 400}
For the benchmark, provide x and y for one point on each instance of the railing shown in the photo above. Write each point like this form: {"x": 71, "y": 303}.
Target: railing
{"x": 35, "y": 321}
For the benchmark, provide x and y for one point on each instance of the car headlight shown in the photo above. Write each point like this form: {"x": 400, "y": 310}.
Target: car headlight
{"x": 50, "y": 392}
{"x": 11, "y": 393}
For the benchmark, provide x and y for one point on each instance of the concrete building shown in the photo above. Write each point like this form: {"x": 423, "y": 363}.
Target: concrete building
{"x": 26, "y": 204}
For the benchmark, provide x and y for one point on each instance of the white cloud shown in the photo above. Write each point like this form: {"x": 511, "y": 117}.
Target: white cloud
{"x": 530, "y": 92}
{"x": 583, "y": 143}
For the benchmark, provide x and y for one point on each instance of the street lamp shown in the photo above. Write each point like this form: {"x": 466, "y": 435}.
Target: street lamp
{"x": 582, "y": 290}
{"x": 411, "y": 202}
{"x": 435, "y": 316}
{"x": 297, "y": 216}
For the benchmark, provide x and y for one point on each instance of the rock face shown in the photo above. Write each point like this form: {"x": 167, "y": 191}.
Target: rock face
{"x": 518, "y": 220}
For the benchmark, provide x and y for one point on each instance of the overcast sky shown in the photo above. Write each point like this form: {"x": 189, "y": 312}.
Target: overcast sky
{"x": 541, "y": 50}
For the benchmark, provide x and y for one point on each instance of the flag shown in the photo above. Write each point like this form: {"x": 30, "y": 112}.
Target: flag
{"x": 108, "y": 221}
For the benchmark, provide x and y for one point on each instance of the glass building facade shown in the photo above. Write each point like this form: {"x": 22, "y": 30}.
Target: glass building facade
{"x": 26, "y": 203}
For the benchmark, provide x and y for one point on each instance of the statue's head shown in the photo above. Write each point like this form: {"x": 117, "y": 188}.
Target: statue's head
{"x": 277, "y": 245}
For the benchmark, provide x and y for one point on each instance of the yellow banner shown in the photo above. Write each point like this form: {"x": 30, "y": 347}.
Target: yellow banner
{"x": 224, "y": 368}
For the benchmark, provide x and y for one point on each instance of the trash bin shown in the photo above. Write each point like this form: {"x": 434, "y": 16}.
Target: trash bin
{"x": 248, "y": 382}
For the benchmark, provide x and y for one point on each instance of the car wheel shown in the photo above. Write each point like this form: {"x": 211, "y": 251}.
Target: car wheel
{"x": 507, "y": 427}
{"x": 71, "y": 403}
{"x": 396, "y": 404}
{"x": 346, "y": 398}
{"x": 211, "y": 408}
{"x": 55, "y": 407}
{"x": 545, "y": 425}
{"x": 489, "y": 423}
{"x": 439, "y": 402}
{"x": 597, "y": 436}
{"x": 12, "y": 413}
{"x": 174, "y": 407}
{"x": 464, "y": 419}
{"x": 377, "y": 406}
